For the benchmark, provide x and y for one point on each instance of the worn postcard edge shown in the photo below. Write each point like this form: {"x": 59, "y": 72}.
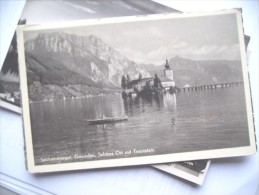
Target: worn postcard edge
{"x": 10, "y": 106}
{"x": 185, "y": 174}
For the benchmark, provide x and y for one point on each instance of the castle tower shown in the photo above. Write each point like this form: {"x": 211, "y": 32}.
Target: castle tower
{"x": 168, "y": 72}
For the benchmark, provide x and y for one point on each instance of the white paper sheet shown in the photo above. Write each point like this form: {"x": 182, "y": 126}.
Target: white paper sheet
{"x": 10, "y": 12}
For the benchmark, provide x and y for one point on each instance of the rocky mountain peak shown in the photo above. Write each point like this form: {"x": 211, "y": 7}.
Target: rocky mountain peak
{"x": 88, "y": 56}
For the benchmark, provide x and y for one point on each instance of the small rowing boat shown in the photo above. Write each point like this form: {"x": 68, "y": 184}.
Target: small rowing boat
{"x": 107, "y": 120}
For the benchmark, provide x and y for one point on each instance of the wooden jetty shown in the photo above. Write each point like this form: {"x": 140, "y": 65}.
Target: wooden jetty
{"x": 211, "y": 86}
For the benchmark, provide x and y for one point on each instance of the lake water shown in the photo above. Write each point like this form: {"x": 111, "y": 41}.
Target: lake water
{"x": 170, "y": 123}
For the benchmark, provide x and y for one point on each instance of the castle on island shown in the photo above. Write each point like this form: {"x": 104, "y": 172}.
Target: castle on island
{"x": 167, "y": 77}
{"x": 162, "y": 82}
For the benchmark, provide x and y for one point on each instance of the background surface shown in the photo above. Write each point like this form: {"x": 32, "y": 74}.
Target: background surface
{"x": 225, "y": 176}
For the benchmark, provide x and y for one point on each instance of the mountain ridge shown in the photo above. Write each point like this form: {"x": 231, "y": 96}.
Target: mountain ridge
{"x": 201, "y": 72}
{"x": 62, "y": 61}
{"x": 88, "y": 56}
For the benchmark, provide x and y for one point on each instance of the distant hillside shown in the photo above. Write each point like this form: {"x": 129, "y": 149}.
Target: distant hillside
{"x": 194, "y": 72}
{"x": 61, "y": 65}
{"x": 87, "y": 56}
{"x": 47, "y": 70}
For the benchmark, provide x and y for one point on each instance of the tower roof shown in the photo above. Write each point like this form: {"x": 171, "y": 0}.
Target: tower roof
{"x": 167, "y": 66}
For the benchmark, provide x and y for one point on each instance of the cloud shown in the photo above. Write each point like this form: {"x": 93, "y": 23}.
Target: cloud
{"x": 183, "y": 49}
{"x": 212, "y": 52}
{"x": 171, "y": 49}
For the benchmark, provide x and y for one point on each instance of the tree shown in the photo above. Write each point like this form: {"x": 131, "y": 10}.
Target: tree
{"x": 147, "y": 91}
{"x": 128, "y": 78}
{"x": 128, "y": 81}
{"x": 123, "y": 82}
{"x": 2, "y": 88}
{"x": 140, "y": 77}
{"x": 157, "y": 82}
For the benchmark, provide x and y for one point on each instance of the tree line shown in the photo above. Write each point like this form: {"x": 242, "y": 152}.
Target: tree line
{"x": 126, "y": 81}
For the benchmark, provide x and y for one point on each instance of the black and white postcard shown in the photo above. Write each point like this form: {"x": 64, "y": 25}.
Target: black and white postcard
{"x": 193, "y": 171}
{"x": 40, "y": 12}
{"x": 135, "y": 90}
{"x": 35, "y": 13}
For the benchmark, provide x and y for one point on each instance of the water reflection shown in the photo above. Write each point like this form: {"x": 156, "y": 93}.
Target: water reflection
{"x": 160, "y": 102}
{"x": 163, "y": 104}
{"x": 181, "y": 122}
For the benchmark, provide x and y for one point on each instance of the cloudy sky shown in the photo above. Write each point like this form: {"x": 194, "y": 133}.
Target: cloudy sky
{"x": 198, "y": 38}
